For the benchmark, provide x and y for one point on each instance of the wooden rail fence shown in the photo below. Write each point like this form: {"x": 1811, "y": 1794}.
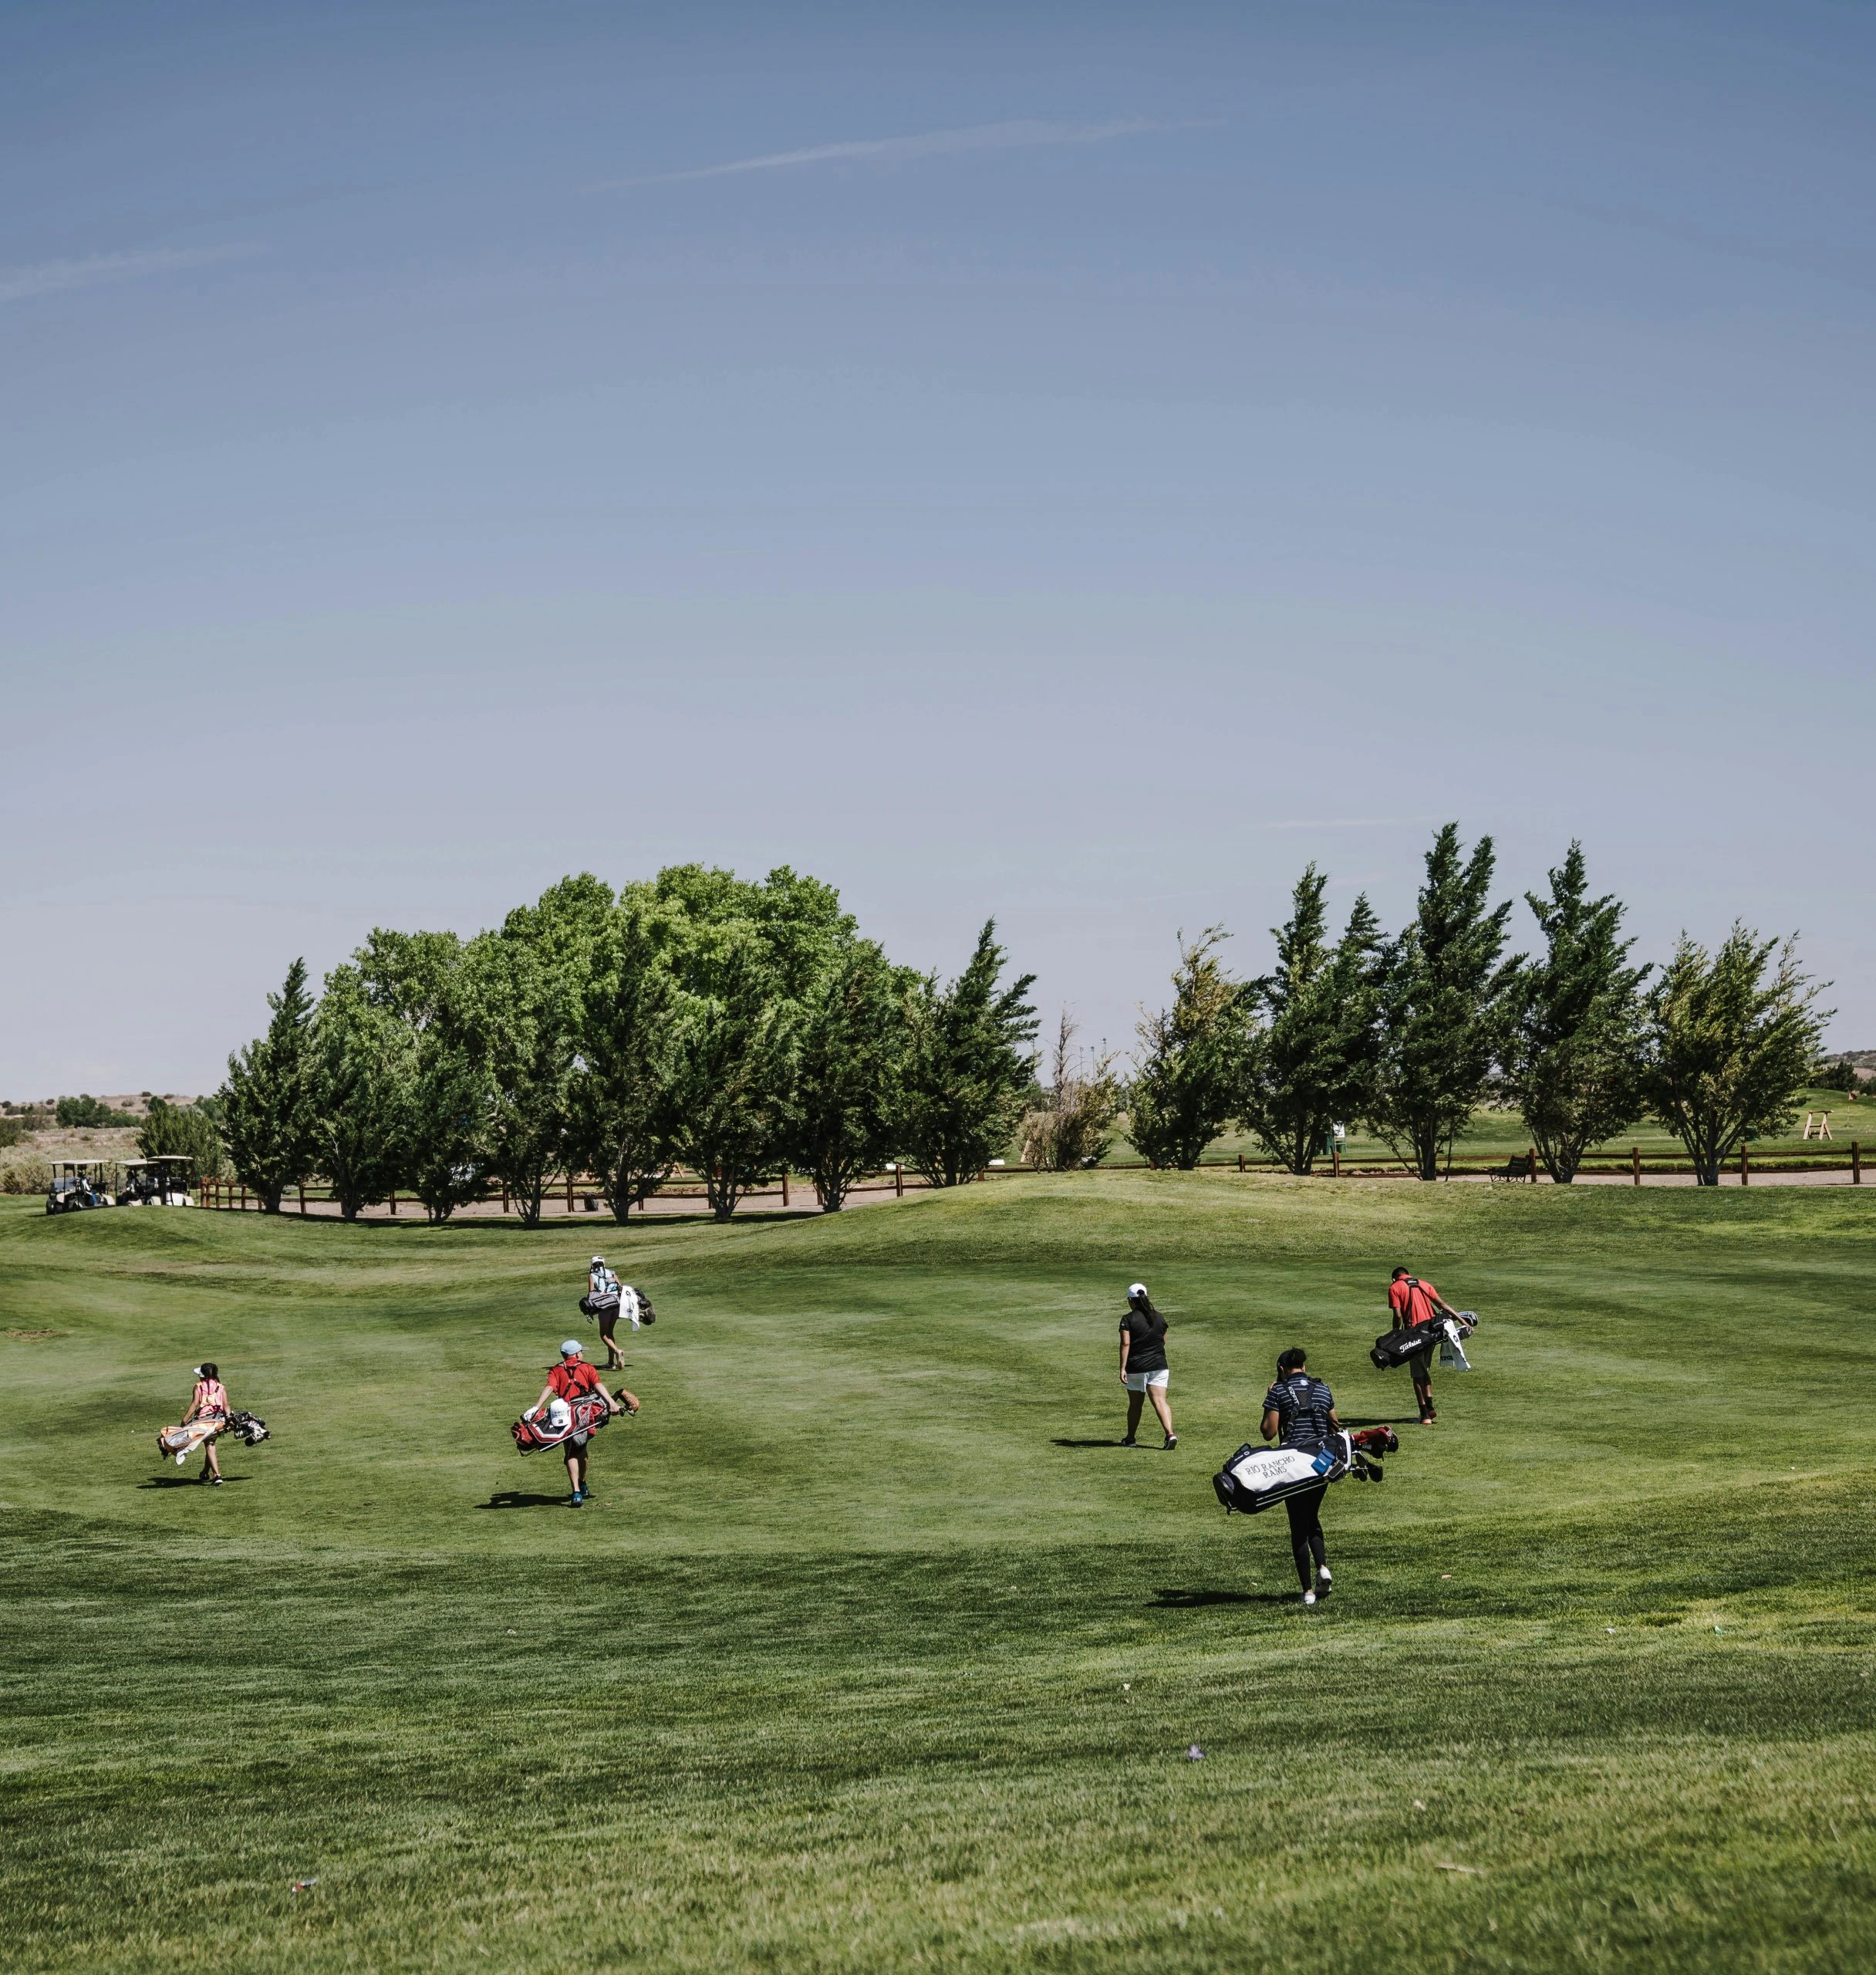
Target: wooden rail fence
{"x": 584, "y": 1193}
{"x": 579, "y": 1191}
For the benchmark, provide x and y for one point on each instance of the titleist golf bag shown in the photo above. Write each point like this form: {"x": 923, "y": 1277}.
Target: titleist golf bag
{"x": 182, "y": 1441}
{"x": 1393, "y": 1348}
{"x": 559, "y": 1424}
{"x": 1255, "y": 1479}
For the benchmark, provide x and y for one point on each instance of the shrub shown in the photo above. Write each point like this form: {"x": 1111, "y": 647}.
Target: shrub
{"x": 26, "y": 1176}
{"x": 87, "y": 1110}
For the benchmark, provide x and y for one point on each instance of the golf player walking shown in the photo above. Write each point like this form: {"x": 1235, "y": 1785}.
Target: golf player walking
{"x": 1143, "y": 1368}
{"x": 1413, "y": 1301}
{"x": 573, "y": 1379}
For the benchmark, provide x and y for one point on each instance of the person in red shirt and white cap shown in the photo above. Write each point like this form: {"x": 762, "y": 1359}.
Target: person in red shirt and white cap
{"x": 573, "y": 1379}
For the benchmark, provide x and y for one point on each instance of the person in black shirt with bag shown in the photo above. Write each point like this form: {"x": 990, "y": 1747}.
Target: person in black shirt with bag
{"x": 1143, "y": 1368}
{"x": 1300, "y": 1412}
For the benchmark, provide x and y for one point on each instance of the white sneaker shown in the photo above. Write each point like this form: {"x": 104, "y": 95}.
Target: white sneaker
{"x": 1322, "y": 1571}
{"x": 1309, "y": 1598}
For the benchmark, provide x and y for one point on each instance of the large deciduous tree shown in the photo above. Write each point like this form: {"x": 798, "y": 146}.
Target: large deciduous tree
{"x": 733, "y": 1053}
{"x": 1442, "y": 1006}
{"x": 624, "y": 1124}
{"x": 1189, "y": 1074}
{"x": 267, "y": 1101}
{"x": 1572, "y": 1058}
{"x": 968, "y": 1071}
{"x": 416, "y": 978}
{"x": 1729, "y": 1046}
{"x": 520, "y": 1005}
{"x": 1309, "y": 1065}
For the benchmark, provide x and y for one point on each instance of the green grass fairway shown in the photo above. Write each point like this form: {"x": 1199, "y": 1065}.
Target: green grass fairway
{"x": 874, "y": 1652}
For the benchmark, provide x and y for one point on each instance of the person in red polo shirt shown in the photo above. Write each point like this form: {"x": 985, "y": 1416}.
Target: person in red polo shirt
{"x": 1413, "y": 1300}
{"x": 573, "y": 1379}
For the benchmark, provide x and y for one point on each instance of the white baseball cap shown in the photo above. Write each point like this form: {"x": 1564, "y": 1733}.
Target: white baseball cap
{"x": 1136, "y": 1289}
{"x": 572, "y": 1347}
{"x": 599, "y": 1261}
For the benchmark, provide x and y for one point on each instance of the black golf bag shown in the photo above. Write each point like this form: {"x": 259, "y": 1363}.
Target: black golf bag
{"x": 1255, "y": 1479}
{"x": 1393, "y": 1348}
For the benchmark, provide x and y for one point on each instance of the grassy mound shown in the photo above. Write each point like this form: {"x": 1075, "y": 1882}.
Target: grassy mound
{"x": 874, "y": 1650}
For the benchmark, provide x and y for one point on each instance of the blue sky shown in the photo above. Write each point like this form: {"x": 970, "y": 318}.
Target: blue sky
{"x": 1072, "y": 463}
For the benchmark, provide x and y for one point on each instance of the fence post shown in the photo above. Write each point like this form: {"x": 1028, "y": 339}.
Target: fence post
{"x": 1240, "y": 1162}
{"x": 394, "y": 1203}
{"x": 1856, "y": 1162}
{"x": 302, "y": 1199}
{"x": 1534, "y": 1166}
{"x": 899, "y": 1181}
{"x": 243, "y": 1196}
{"x": 1634, "y": 1162}
{"x": 570, "y": 1193}
{"x": 1746, "y": 1168}
{"x": 1335, "y": 1156}
{"x": 504, "y": 1196}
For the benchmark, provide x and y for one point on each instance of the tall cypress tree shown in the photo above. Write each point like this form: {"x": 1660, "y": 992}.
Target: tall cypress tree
{"x": 267, "y": 1101}
{"x": 1442, "y": 1005}
{"x": 361, "y": 1062}
{"x": 1730, "y": 1047}
{"x": 1572, "y": 1054}
{"x": 843, "y": 1113}
{"x": 1190, "y": 1075}
{"x": 968, "y": 1073}
{"x": 1310, "y": 1065}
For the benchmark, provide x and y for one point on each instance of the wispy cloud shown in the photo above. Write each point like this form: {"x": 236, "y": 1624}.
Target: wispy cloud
{"x": 1024, "y": 134}
{"x": 49, "y": 277}
{"x": 1344, "y": 823}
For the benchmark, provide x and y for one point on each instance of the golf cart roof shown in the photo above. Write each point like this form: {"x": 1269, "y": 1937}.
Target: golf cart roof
{"x": 80, "y": 1165}
{"x": 160, "y": 1158}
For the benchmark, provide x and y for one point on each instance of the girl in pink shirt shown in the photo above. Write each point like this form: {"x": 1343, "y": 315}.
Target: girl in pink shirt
{"x": 211, "y": 1401}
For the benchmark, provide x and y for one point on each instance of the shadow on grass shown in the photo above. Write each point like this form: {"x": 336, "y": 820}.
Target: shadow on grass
{"x": 188, "y": 1481}
{"x": 495, "y": 1225}
{"x": 513, "y": 1498}
{"x": 1166, "y": 1600}
{"x": 1087, "y": 1443}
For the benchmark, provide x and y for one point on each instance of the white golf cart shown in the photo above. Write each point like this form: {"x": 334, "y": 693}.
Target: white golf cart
{"x": 166, "y": 1180}
{"x": 80, "y": 1183}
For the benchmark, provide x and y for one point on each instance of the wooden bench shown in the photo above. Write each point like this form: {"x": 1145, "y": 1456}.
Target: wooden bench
{"x": 1519, "y": 1165}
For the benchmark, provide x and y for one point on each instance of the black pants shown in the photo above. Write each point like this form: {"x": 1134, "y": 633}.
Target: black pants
{"x": 1306, "y": 1532}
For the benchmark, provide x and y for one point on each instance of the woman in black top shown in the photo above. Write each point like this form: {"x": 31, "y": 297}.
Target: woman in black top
{"x": 1143, "y": 1368}
{"x": 1300, "y": 1412}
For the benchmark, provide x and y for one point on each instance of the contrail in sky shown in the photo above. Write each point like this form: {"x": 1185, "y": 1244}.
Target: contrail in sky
{"x": 49, "y": 277}
{"x": 1026, "y": 133}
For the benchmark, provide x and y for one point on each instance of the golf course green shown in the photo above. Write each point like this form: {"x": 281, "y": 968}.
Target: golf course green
{"x": 875, "y": 1651}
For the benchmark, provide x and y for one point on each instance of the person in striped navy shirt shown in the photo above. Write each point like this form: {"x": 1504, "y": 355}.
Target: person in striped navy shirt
{"x": 1299, "y": 1412}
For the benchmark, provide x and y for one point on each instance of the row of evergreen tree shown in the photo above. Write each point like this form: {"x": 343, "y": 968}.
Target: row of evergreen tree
{"x": 698, "y": 1021}
{"x": 1408, "y": 1035}
{"x": 735, "y": 1030}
